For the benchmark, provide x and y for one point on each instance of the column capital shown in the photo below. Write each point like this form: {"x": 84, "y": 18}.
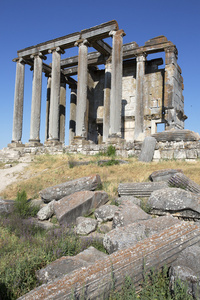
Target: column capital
{"x": 82, "y": 42}
{"x": 39, "y": 54}
{"x": 141, "y": 56}
{"x": 19, "y": 59}
{"x": 117, "y": 33}
{"x": 57, "y": 49}
{"x": 172, "y": 49}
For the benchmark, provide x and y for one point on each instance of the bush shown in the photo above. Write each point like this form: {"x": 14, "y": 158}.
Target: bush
{"x": 23, "y": 207}
{"x": 111, "y": 151}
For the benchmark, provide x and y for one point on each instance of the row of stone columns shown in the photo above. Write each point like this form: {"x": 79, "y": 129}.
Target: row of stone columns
{"x": 56, "y": 95}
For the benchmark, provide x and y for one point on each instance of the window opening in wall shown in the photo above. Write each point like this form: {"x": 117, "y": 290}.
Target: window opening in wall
{"x": 160, "y": 127}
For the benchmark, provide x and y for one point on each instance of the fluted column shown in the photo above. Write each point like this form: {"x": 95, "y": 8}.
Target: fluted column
{"x": 81, "y": 110}
{"x": 72, "y": 118}
{"x": 62, "y": 110}
{"x": 139, "y": 110}
{"x": 55, "y": 96}
{"x": 36, "y": 99}
{"x": 18, "y": 102}
{"x": 106, "y": 111}
{"x": 116, "y": 84}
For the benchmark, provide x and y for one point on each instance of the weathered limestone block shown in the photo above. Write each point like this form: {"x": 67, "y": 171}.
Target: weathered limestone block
{"x": 85, "y": 225}
{"x": 128, "y": 213}
{"x": 69, "y": 208}
{"x": 105, "y": 227}
{"x": 67, "y": 264}
{"x": 105, "y": 213}
{"x": 176, "y": 135}
{"x": 59, "y": 191}
{"x": 179, "y": 154}
{"x": 167, "y": 154}
{"x": 187, "y": 276}
{"x": 140, "y": 189}
{"x": 133, "y": 199}
{"x": 163, "y": 175}
{"x": 46, "y": 212}
{"x": 175, "y": 201}
{"x": 191, "y": 154}
{"x": 158, "y": 250}
{"x": 6, "y": 206}
{"x": 123, "y": 237}
{"x": 190, "y": 257}
{"x": 179, "y": 180}
{"x": 148, "y": 147}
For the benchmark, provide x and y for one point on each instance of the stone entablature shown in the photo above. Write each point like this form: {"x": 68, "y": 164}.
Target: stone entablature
{"x": 126, "y": 100}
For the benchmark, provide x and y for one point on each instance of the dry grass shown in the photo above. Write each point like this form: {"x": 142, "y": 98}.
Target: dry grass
{"x": 47, "y": 170}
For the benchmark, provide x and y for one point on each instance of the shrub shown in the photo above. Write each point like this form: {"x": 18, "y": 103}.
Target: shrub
{"x": 111, "y": 151}
{"x": 23, "y": 207}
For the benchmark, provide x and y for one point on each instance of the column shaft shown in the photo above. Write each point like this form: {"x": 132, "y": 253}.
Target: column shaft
{"x": 36, "y": 100}
{"x": 62, "y": 111}
{"x": 169, "y": 89}
{"x": 55, "y": 97}
{"x": 47, "y": 108}
{"x": 106, "y": 111}
{"x": 116, "y": 84}
{"x": 139, "y": 110}
{"x": 72, "y": 118}
{"x": 82, "y": 91}
{"x": 18, "y": 102}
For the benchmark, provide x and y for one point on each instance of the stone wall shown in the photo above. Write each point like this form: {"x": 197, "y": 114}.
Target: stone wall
{"x": 188, "y": 150}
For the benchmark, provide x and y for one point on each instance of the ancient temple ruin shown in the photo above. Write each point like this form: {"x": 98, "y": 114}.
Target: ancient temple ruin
{"x": 125, "y": 100}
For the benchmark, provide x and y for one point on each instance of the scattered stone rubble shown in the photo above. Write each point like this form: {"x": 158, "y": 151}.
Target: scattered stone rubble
{"x": 129, "y": 234}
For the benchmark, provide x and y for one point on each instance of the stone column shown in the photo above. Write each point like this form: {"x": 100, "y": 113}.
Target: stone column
{"x": 62, "y": 110}
{"x": 81, "y": 112}
{"x": 106, "y": 110}
{"x": 139, "y": 109}
{"x": 55, "y": 96}
{"x": 47, "y": 108}
{"x": 72, "y": 118}
{"x": 36, "y": 99}
{"x": 169, "y": 89}
{"x": 116, "y": 84}
{"x": 18, "y": 102}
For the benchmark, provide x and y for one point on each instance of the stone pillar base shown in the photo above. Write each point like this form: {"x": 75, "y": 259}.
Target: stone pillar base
{"x": 14, "y": 144}
{"x": 79, "y": 140}
{"x": 52, "y": 143}
{"x": 140, "y": 137}
{"x": 114, "y": 139}
{"x": 33, "y": 143}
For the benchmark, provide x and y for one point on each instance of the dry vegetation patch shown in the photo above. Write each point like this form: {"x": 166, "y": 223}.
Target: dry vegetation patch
{"x": 49, "y": 170}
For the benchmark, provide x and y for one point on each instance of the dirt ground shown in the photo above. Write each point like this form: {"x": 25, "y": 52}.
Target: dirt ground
{"x": 10, "y": 174}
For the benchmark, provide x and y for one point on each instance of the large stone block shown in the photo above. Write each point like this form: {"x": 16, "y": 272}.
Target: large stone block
{"x": 128, "y": 213}
{"x": 67, "y": 264}
{"x": 123, "y": 237}
{"x": 176, "y": 201}
{"x": 148, "y": 147}
{"x": 69, "y": 208}
{"x": 163, "y": 175}
{"x": 59, "y": 191}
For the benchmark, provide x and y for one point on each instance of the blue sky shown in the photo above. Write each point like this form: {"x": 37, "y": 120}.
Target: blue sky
{"x": 24, "y": 23}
